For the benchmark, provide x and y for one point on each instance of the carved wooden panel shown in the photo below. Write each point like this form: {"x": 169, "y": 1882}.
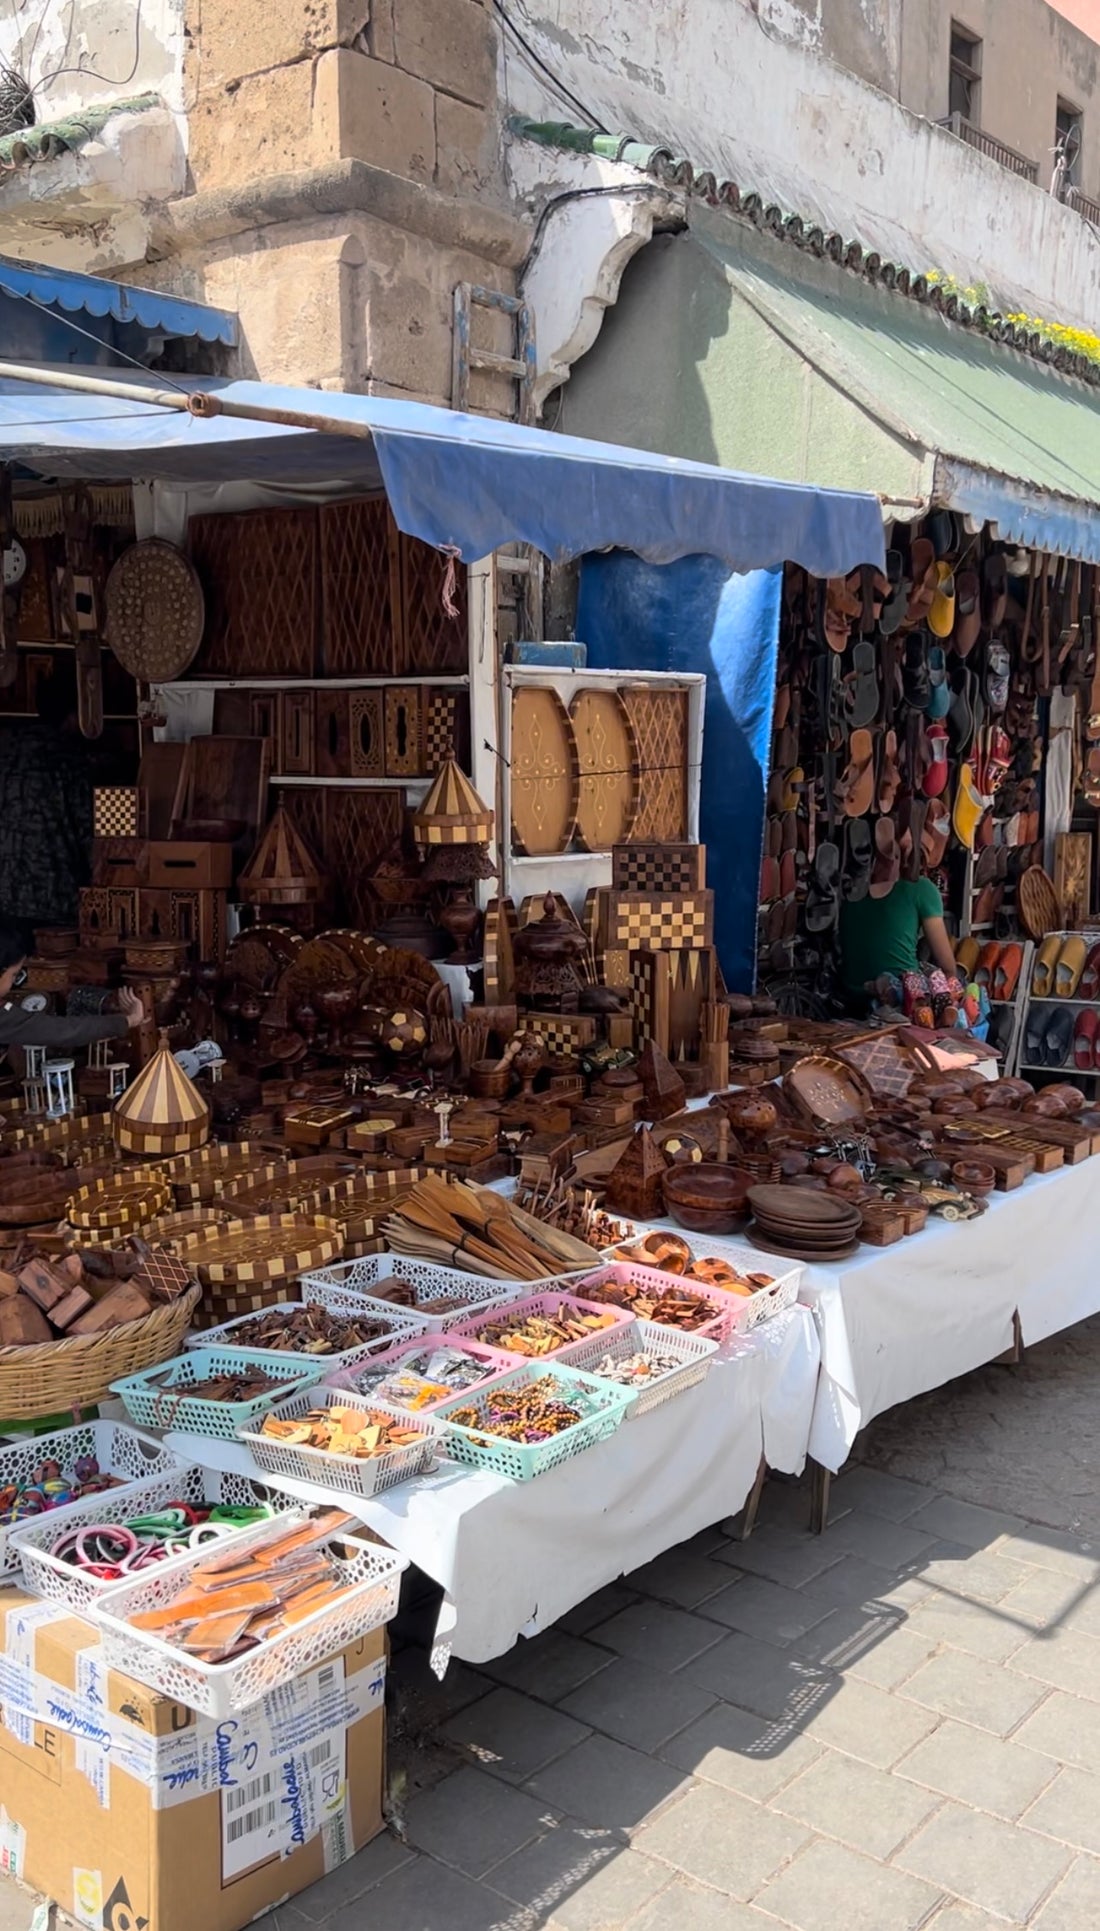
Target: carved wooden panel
{"x": 404, "y": 755}
{"x": 432, "y": 641}
{"x": 659, "y": 718}
{"x": 360, "y": 589}
{"x": 296, "y": 734}
{"x": 332, "y": 734}
{"x": 349, "y": 831}
{"x": 259, "y": 574}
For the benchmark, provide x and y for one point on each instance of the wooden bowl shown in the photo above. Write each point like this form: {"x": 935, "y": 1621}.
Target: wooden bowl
{"x": 973, "y": 1176}
{"x": 707, "y": 1198}
{"x": 488, "y": 1081}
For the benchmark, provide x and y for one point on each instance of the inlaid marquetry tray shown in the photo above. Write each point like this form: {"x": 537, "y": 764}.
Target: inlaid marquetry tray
{"x": 122, "y": 1200}
{"x": 273, "y": 1247}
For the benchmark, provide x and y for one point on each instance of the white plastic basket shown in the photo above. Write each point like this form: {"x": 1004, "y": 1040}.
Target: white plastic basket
{"x": 369, "y": 1598}
{"x": 348, "y": 1474}
{"x": 602, "y": 1407}
{"x": 400, "y": 1324}
{"x": 693, "y": 1354}
{"x": 47, "y": 1575}
{"x": 463, "y": 1292}
{"x": 733, "y": 1312}
{"x": 752, "y": 1309}
{"x": 121, "y": 1451}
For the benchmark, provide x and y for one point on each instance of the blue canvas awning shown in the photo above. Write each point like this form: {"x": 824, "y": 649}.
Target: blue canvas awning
{"x": 467, "y": 482}
{"x": 94, "y": 295}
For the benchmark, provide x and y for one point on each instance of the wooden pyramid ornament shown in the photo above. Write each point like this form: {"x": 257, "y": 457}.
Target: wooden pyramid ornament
{"x": 162, "y": 1112}
{"x": 452, "y": 812}
{"x": 665, "y": 1093}
{"x": 282, "y": 870}
{"x": 635, "y": 1185}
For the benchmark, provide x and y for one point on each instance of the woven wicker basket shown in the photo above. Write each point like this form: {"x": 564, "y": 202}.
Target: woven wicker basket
{"x": 59, "y": 1377}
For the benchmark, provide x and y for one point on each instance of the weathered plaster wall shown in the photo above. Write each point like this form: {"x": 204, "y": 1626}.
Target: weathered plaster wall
{"x": 83, "y": 52}
{"x": 713, "y": 81}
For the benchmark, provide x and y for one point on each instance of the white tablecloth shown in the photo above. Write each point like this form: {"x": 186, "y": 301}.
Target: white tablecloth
{"x": 512, "y": 1557}
{"x": 897, "y": 1321}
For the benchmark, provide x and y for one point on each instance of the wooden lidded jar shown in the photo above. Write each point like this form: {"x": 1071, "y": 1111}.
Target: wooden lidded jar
{"x": 161, "y": 1113}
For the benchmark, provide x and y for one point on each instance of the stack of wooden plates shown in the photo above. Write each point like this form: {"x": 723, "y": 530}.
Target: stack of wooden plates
{"x": 803, "y": 1223}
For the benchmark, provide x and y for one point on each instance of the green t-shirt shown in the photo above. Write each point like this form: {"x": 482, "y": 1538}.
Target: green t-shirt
{"x": 880, "y": 935}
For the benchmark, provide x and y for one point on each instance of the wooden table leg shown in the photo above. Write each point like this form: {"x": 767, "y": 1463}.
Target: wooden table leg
{"x": 752, "y": 1505}
{"x": 820, "y": 1484}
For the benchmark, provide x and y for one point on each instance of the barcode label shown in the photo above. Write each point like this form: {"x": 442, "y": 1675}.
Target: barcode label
{"x": 240, "y": 1796}
{"x": 251, "y": 1822}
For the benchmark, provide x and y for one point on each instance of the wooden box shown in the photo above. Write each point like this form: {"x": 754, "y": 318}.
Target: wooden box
{"x": 190, "y": 864}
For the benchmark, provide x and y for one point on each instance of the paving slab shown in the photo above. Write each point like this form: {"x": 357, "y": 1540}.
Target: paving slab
{"x": 512, "y": 1735}
{"x": 750, "y": 1754}
{"x": 782, "y": 1555}
{"x": 984, "y": 1694}
{"x": 427, "y": 1896}
{"x": 999, "y": 1868}
{"x": 1069, "y": 1809}
{"x": 1075, "y": 1905}
{"x": 868, "y": 1810}
{"x": 1065, "y": 1659}
{"x": 964, "y": 1522}
{"x": 608, "y": 1785}
{"x": 764, "y": 1608}
{"x": 770, "y": 1682}
{"x": 869, "y": 1723}
{"x": 473, "y": 1821}
{"x": 652, "y": 1633}
{"x": 637, "y": 1704}
{"x": 1066, "y": 1728}
{"x": 722, "y": 1839}
{"x": 979, "y": 1769}
{"x": 684, "y": 1906}
{"x": 682, "y": 1577}
{"x": 549, "y": 1666}
{"x": 583, "y": 1879}
{"x": 830, "y": 1888}
{"x": 890, "y": 1496}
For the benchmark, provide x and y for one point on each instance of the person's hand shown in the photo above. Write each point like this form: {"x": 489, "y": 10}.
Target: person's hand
{"x": 131, "y": 1007}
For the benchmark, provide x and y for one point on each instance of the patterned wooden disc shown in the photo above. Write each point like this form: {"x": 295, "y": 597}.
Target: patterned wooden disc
{"x": 256, "y": 957}
{"x": 155, "y": 610}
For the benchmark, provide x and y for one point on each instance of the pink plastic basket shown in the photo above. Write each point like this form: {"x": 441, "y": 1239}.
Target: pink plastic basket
{"x": 498, "y": 1362}
{"x": 492, "y": 1319}
{"x": 630, "y": 1274}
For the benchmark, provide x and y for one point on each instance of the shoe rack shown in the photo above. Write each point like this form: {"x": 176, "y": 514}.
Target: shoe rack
{"x": 1063, "y": 964}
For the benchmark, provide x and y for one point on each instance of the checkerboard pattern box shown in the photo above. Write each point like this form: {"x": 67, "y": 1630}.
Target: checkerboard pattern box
{"x": 658, "y": 868}
{"x": 678, "y": 921}
{"x": 649, "y": 995}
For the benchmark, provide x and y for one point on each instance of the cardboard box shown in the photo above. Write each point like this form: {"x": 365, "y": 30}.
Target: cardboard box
{"x": 129, "y": 1810}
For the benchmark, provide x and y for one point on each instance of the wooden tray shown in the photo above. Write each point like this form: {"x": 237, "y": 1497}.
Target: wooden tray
{"x": 609, "y": 773}
{"x": 827, "y": 1090}
{"x": 203, "y": 1174}
{"x": 545, "y": 776}
{"x": 1018, "y": 1138}
{"x": 1077, "y": 1142}
{"x": 272, "y": 1247}
{"x": 123, "y": 1200}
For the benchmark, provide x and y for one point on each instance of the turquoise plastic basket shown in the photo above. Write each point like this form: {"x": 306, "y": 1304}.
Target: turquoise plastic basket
{"x": 602, "y": 1405}
{"x": 158, "y": 1397}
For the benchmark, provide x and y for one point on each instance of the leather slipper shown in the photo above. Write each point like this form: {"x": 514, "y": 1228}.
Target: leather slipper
{"x": 968, "y": 809}
{"x": 1089, "y": 987}
{"x": 937, "y": 832}
{"x": 988, "y": 960}
{"x": 1042, "y": 976}
{"x": 939, "y": 695}
{"x": 1084, "y": 1040}
{"x": 968, "y": 612}
{"x": 916, "y": 684}
{"x": 967, "y": 953}
{"x": 1071, "y": 964}
{"x": 1058, "y": 1038}
{"x": 889, "y": 777}
{"x": 934, "y": 782}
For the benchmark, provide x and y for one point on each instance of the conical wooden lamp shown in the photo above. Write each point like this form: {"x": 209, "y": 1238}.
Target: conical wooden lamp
{"x": 162, "y": 1112}
{"x": 282, "y": 870}
{"x": 452, "y": 812}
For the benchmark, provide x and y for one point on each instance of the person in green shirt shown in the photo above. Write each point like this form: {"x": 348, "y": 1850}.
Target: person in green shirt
{"x": 878, "y": 952}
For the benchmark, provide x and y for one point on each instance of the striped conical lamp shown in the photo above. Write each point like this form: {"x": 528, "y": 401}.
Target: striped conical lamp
{"x": 162, "y": 1112}
{"x": 452, "y": 812}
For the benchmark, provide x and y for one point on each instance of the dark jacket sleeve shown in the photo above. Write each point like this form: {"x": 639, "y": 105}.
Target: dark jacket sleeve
{"x": 19, "y": 1028}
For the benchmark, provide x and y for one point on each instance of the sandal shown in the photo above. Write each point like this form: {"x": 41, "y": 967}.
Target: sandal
{"x": 862, "y": 697}
{"x": 856, "y": 789}
{"x": 857, "y": 877}
{"x": 889, "y": 778}
{"x": 887, "y": 866}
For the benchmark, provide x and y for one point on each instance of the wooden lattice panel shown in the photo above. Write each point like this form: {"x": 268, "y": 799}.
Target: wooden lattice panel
{"x": 659, "y": 719}
{"x": 360, "y": 589}
{"x": 659, "y": 868}
{"x": 432, "y": 641}
{"x": 259, "y": 573}
{"x": 640, "y": 920}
